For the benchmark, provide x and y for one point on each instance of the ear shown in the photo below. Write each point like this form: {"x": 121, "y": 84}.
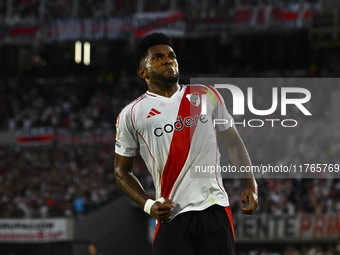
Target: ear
{"x": 142, "y": 73}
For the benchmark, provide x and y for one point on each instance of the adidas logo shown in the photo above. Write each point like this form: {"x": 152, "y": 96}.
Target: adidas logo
{"x": 153, "y": 112}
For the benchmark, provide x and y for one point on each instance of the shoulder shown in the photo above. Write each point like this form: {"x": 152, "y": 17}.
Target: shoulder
{"x": 127, "y": 110}
{"x": 205, "y": 87}
{"x": 131, "y": 105}
{"x": 210, "y": 90}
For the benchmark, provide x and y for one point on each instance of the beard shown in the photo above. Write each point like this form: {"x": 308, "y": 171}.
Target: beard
{"x": 166, "y": 79}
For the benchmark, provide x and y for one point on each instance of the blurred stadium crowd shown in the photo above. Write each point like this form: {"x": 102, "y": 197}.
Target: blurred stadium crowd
{"x": 55, "y": 181}
{"x": 27, "y": 11}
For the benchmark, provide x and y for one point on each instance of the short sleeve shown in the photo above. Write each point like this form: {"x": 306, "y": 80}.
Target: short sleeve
{"x": 223, "y": 120}
{"x": 126, "y": 136}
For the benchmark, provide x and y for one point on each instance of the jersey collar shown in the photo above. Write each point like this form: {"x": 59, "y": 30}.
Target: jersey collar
{"x": 159, "y": 96}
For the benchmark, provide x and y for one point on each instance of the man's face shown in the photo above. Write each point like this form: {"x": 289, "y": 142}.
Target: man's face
{"x": 161, "y": 64}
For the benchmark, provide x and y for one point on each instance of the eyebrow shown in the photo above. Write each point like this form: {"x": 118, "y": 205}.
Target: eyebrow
{"x": 161, "y": 54}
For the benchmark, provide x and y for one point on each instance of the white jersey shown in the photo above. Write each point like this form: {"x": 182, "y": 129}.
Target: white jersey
{"x": 177, "y": 143}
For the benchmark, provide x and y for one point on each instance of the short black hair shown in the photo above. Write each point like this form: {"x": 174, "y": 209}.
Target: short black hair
{"x": 147, "y": 42}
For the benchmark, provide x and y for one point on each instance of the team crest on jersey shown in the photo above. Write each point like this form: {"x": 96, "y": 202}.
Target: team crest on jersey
{"x": 194, "y": 98}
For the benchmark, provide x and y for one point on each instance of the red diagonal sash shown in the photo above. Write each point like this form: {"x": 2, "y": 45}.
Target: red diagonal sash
{"x": 180, "y": 143}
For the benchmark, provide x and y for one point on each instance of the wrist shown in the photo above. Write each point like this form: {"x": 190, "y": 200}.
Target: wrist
{"x": 148, "y": 204}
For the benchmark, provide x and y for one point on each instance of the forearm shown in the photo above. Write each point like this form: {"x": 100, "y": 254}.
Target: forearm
{"x": 240, "y": 158}
{"x": 131, "y": 187}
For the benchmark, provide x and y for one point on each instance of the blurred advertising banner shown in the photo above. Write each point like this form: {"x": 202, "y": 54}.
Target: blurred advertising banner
{"x": 35, "y": 136}
{"x": 97, "y": 136}
{"x": 16, "y": 33}
{"x": 49, "y": 135}
{"x": 35, "y": 230}
{"x": 285, "y": 227}
{"x": 171, "y": 23}
{"x": 292, "y": 15}
{"x": 91, "y": 29}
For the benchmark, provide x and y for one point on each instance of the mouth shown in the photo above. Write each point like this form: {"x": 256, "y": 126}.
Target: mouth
{"x": 170, "y": 69}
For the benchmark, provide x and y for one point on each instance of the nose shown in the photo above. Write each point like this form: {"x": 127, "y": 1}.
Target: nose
{"x": 167, "y": 60}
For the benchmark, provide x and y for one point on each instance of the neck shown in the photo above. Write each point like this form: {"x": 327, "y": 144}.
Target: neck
{"x": 163, "y": 89}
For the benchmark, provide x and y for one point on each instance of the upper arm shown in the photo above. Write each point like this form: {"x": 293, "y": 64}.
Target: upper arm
{"x": 230, "y": 136}
{"x": 126, "y": 136}
{"x": 220, "y": 111}
{"x": 236, "y": 148}
{"x": 123, "y": 164}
